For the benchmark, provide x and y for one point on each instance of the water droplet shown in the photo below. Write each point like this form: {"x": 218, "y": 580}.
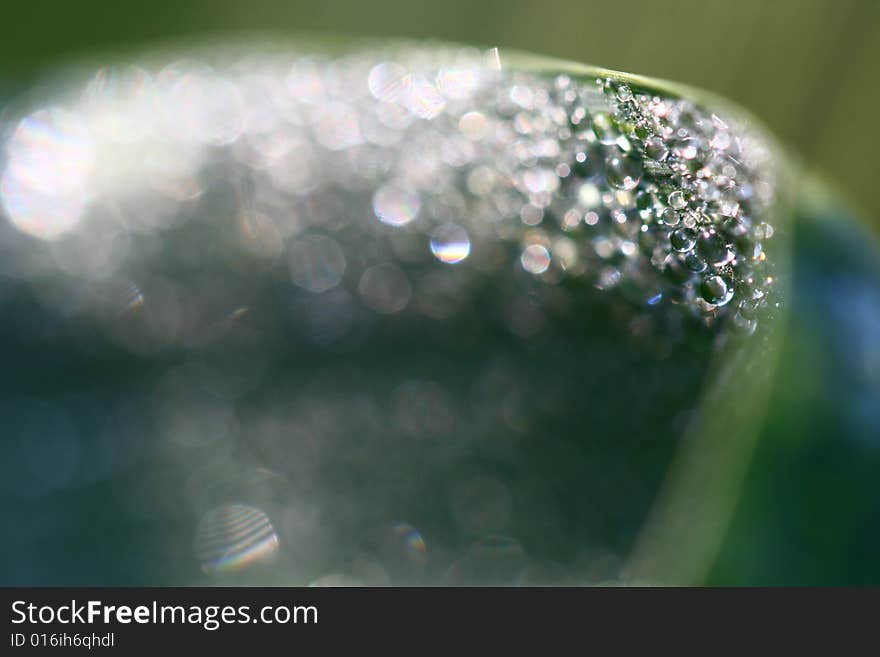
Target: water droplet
{"x": 233, "y": 537}
{"x": 656, "y": 149}
{"x": 44, "y": 187}
{"x": 714, "y": 248}
{"x": 624, "y": 94}
{"x": 589, "y": 195}
{"x": 386, "y": 81}
{"x": 396, "y": 204}
{"x": 531, "y": 215}
{"x": 715, "y": 290}
{"x": 622, "y": 172}
{"x": 670, "y": 217}
{"x": 729, "y": 208}
{"x": 474, "y": 125}
{"x": 682, "y": 239}
{"x": 450, "y": 243}
{"x": 677, "y": 200}
{"x": 535, "y": 259}
{"x": 689, "y": 220}
{"x": 604, "y": 129}
{"x": 422, "y": 98}
{"x": 695, "y": 263}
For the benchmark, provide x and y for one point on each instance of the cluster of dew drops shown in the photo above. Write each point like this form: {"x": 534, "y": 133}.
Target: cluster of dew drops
{"x": 591, "y": 179}
{"x": 703, "y": 197}
{"x": 667, "y": 203}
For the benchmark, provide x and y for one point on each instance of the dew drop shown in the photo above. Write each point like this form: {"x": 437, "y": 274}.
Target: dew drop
{"x": 386, "y": 81}
{"x": 714, "y": 249}
{"x": 589, "y": 195}
{"x": 535, "y": 259}
{"x": 677, "y": 200}
{"x": 670, "y": 217}
{"x": 450, "y": 243}
{"x": 715, "y": 290}
{"x": 656, "y": 149}
{"x": 474, "y": 125}
{"x": 395, "y": 205}
{"x": 604, "y": 129}
{"x": 624, "y": 94}
{"x": 622, "y": 172}
{"x": 233, "y": 537}
{"x": 682, "y": 239}
{"x": 695, "y": 263}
